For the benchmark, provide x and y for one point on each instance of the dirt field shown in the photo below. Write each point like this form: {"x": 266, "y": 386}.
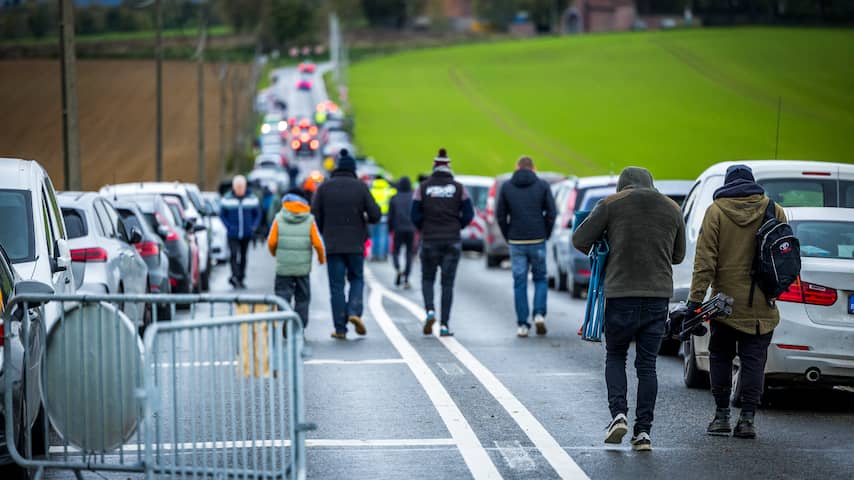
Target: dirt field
{"x": 116, "y": 118}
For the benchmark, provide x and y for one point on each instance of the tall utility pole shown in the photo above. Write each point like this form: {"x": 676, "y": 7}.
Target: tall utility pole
{"x": 158, "y": 60}
{"x": 200, "y": 72}
{"x": 237, "y": 165}
{"x": 70, "y": 130}
{"x": 223, "y": 78}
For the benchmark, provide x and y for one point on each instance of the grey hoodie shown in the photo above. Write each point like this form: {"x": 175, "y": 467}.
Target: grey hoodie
{"x": 646, "y": 234}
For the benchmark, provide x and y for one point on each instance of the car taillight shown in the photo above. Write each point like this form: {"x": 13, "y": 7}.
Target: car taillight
{"x": 295, "y": 144}
{"x": 94, "y": 254}
{"x": 314, "y": 145}
{"x": 816, "y": 174}
{"x": 173, "y": 282}
{"x": 148, "y": 249}
{"x": 809, "y": 293}
{"x": 584, "y": 271}
{"x": 304, "y": 138}
{"x": 312, "y": 130}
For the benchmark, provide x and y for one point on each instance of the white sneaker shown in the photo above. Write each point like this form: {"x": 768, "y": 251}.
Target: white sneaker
{"x": 617, "y": 429}
{"x": 540, "y": 324}
{"x": 522, "y": 331}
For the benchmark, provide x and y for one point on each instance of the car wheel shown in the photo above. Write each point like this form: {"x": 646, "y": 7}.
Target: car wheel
{"x": 691, "y": 374}
{"x": 577, "y": 290}
{"x": 551, "y": 282}
{"x": 561, "y": 281}
{"x": 669, "y": 347}
{"x": 205, "y": 280}
{"x": 492, "y": 261}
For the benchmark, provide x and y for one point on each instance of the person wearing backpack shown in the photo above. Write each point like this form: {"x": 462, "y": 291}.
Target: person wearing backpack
{"x": 724, "y": 260}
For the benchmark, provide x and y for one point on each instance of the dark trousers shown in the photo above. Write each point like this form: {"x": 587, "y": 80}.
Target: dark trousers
{"x": 752, "y": 350}
{"x": 295, "y": 290}
{"x": 238, "y": 247}
{"x": 404, "y": 240}
{"x": 349, "y": 266}
{"x": 642, "y": 320}
{"x": 435, "y": 255}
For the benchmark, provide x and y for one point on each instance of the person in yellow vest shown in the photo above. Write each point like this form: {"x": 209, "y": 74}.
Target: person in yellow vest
{"x": 382, "y": 191}
{"x": 292, "y": 236}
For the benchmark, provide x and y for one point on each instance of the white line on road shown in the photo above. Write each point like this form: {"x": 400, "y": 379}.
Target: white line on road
{"x": 551, "y": 450}
{"x": 228, "y": 444}
{"x": 374, "y": 361}
{"x": 515, "y": 455}
{"x": 450, "y": 368}
{"x": 475, "y": 456}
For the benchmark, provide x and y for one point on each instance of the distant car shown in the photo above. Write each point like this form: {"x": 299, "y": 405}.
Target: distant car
{"x": 191, "y": 205}
{"x": 306, "y": 67}
{"x": 38, "y": 245}
{"x": 270, "y": 160}
{"x": 273, "y": 122}
{"x": 25, "y": 379}
{"x": 812, "y": 345}
{"x": 103, "y": 255}
{"x": 304, "y": 139}
{"x": 189, "y": 226}
{"x": 304, "y": 85}
{"x": 495, "y": 247}
{"x": 577, "y": 266}
{"x": 219, "y": 234}
{"x": 478, "y": 189}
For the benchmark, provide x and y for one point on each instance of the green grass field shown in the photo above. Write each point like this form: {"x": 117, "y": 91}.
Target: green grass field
{"x": 675, "y": 102}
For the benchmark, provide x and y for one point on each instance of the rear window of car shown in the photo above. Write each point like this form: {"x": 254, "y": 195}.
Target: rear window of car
{"x": 131, "y": 220}
{"x": 810, "y": 192}
{"x": 590, "y": 202}
{"x": 677, "y": 198}
{"x": 825, "y": 239}
{"x": 478, "y": 196}
{"x": 17, "y": 236}
{"x": 75, "y": 222}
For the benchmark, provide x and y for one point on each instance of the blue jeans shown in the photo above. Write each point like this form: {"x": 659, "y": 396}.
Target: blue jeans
{"x": 525, "y": 258}
{"x": 642, "y": 320}
{"x": 350, "y": 266}
{"x": 379, "y": 239}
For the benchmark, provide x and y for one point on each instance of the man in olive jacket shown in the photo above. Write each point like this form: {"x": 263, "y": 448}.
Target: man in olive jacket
{"x": 725, "y": 250}
{"x": 646, "y": 235}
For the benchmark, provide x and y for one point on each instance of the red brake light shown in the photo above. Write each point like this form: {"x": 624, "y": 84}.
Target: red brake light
{"x": 295, "y": 144}
{"x": 312, "y": 130}
{"x": 95, "y": 254}
{"x": 809, "y": 293}
{"x": 314, "y": 145}
{"x": 173, "y": 282}
{"x": 817, "y": 174}
{"x": 784, "y": 346}
{"x": 148, "y": 249}
{"x": 584, "y": 271}
{"x": 304, "y": 137}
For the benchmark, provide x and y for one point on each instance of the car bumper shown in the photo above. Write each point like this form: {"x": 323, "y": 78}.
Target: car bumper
{"x": 473, "y": 244}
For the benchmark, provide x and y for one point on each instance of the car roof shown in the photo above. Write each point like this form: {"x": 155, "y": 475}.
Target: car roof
{"x": 763, "y": 167}
{"x": 550, "y": 177}
{"x": 145, "y": 187}
{"x": 76, "y": 199}
{"x": 597, "y": 181}
{"x": 474, "y": 180}
{"x": 820, "y": 213}
{"x": 16, "y": 173}
{"x": 674, "y": 187}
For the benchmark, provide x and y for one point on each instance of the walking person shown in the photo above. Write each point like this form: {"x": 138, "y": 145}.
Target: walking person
{"x": 646, "y": 235}
{"x": 441, "y": 207}
{"x": 382, "y": 191}
{"x": 241, "y": 213}
{"x": 293, "y": 234}
{"x": 343, "y": 207}
{"x": 526, "y": 215}
{"x": 403, "y": 230}
{"x": 724, "y": 259}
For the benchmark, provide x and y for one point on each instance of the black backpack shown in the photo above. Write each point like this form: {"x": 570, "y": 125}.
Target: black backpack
{"x": 777, "y": 263}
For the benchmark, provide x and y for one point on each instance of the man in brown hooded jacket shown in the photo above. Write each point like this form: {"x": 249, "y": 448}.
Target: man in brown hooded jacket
{"x": 724, "y": 258}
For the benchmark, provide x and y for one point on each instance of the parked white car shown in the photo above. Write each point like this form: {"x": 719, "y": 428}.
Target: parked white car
{"x": 219, "y": 234}
{"x": 790, "y": 184}
{"x": 478, "y": 188}
{"x": 34, "y": 234}
{"x": 193, "y": 209}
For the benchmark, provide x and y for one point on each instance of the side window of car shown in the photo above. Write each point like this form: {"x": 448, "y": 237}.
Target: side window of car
{"x": 54, "y": 206}
{"x": 50, "y": 234}
{"x": 104, "y": 219}
{"x": 690, "y": 200}
{"x": 115, "y": 220}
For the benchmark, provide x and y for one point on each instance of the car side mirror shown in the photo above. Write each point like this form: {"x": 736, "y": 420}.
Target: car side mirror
{"x": 32, "y": 287}
{"x": 135, "y": 235}
{"x": 199, "y": 227}
{"x": 162, "y": 231}
{"x": 569, "y": 223}
{"x": 62, "y": 259}
{"x": 189, "y": 225}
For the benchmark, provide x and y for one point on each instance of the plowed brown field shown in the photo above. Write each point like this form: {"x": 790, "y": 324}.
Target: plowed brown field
{"x": 117, "y": 109}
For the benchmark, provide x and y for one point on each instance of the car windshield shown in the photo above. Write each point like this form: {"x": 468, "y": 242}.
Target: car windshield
{"x": 19, "y": 241}
{"x": 131, "y": 221}
{"x": 825, "y": 239}
{"x": 75, "y": 223}
{"x": 810, "y": 192}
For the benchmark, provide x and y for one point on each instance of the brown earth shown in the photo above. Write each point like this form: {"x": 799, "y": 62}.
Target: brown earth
{"x": 117, "y": 118}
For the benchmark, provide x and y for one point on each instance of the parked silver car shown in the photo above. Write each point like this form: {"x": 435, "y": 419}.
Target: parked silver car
{"x": 103, "y": 256}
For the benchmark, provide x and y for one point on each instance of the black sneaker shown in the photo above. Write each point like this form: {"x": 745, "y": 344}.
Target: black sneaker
{"x": 617, "y": 429}
{"x": 397, "y": 279}
{"x": 745, "y": 427}
{"x": 641, "y": 442}
{"x": 233, "y": 282}
{"x": 720, "y": 425}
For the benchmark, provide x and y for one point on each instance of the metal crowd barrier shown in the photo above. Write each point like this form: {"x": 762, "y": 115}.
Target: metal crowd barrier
{"x": 215, "y": 392}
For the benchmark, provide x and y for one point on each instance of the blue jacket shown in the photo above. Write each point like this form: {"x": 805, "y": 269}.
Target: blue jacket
{"x": 241, "y": 215}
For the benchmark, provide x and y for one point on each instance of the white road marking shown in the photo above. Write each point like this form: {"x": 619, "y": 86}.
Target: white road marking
{"x": 477, "y": 459}
{"x": 375, "y": 361}
{"x": 515, "y": 455}
{"x": 451, "y": 368}
{"x": 229, "y": 444}
{"x": 551, "y": 450}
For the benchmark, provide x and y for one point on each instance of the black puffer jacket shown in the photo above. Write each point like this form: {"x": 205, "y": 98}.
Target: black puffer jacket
{"x": 399, "y": 219}
{"x": 526, "y": 208}
{"x": 343, "y": 207}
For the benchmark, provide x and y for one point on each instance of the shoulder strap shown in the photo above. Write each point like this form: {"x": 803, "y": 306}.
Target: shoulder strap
{"x": 770, "y": 211}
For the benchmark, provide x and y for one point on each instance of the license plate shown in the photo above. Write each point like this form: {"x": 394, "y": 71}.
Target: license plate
{"x": 851, "y": 304}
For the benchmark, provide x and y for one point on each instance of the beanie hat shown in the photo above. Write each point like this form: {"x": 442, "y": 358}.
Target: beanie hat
{"x": 346, "y": 162}
{"x": 441, "y": 159}
{"x": 739, "y": 172}
{"x": 293, "y": 197}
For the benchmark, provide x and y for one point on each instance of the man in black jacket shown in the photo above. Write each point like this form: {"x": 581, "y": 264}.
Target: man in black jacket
{"x": 441, "y": 207}
{"x": 343, "y": 207}
{"x": 401, "y": 226}
{"x": 526, "y": 215}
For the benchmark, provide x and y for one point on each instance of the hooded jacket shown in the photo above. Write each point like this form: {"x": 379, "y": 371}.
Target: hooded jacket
{"x": 726, "y": 246}
{"x": 526, "y": 208}
{"x": 399, "y": 209}
{"x": 646, "y": 235}
{"x": 292, "y": 236}
{"x": 343, "y": 207}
